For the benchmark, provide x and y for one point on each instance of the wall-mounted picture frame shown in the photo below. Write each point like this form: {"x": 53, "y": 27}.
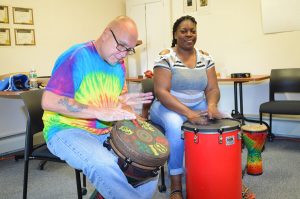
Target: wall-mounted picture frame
{"x": 5, "y": 37}
{"x": 203, "y": 7}
{"x": 4, "y": 17}
{"x": 189, "y": 6}
{"x": 22, "y": 15}
{"x": 24, "y": 37}
{"x": 203, "y": 3}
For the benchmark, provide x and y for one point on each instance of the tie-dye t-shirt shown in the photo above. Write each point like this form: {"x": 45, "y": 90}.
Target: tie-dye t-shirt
{"x": 80, "y": 73}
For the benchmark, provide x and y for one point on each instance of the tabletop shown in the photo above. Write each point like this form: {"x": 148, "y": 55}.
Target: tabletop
{"x": 220, "y": 79}
{"x": 253, "y": 78}
{"x": 42, "y": 81}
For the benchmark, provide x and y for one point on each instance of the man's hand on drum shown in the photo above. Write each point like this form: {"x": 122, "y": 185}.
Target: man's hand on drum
{"x": 114, "y": 114}
{"x": 198, "y": 117}
{"x": 129, "y": 99}
{"x": 123, "y": 110}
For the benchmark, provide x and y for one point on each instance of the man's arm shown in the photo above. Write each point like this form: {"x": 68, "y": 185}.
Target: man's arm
{"x": 70, "y": 107}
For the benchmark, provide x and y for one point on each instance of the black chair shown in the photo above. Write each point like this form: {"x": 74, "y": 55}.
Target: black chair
{"x": 32, "y": 100}
{"x": 147, "y": 86}
{"x": 281, "y": 81}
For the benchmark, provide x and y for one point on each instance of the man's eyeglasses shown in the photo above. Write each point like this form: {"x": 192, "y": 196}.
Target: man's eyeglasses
{"x": 121, "y": 47}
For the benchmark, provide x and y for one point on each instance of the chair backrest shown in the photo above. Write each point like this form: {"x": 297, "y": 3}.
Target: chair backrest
{"x": 147, "y": 86}
{"x": 284, "y": 80}
{"x": 33, "y": 107}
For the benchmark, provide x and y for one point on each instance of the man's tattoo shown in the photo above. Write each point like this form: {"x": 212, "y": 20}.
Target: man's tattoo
{"x": 72, "y": 107}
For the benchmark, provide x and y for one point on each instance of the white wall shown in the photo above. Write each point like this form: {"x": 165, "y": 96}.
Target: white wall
{"x": 58, "y": 25}
{"x": 232, "y": 32}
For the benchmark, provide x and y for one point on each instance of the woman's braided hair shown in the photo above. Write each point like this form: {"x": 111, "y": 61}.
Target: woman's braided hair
{"x": 176, "y": 24}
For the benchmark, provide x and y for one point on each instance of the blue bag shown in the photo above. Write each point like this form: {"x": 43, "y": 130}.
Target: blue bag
{"x": 15, "y": 83}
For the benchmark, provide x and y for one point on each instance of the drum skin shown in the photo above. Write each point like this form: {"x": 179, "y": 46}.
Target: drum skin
{"x": 141, "y": 149}
{"x": 213, "y": 160}
{"x": 254, "y": 137}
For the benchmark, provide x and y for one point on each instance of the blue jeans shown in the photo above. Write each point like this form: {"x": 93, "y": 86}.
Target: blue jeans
{"x": 83, "y": 150}
{"x": 172, "y": 122}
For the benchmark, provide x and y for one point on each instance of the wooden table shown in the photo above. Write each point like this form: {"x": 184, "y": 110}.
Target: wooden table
{"x": 15, "y": 94}
{"x": 238, "y": 113}
{"x": 253, "y": 78}
{"x": 135, "y": 79}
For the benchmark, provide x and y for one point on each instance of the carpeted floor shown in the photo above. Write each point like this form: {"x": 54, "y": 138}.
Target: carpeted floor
{"x": 280, "y": 180}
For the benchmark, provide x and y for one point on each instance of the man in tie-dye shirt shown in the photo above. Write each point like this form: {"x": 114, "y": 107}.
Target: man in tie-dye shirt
{"x": 85, "y": 94}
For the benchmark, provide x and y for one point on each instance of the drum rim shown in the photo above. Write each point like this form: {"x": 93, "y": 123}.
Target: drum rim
{"x": 123, "y": 148}
{"x": 254, "y": 131}
{"x": 213, "y": 130}
{"x": 120, "y": 155}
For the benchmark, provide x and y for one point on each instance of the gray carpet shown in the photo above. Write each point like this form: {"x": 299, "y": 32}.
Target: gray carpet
{"x": 280, "y": 180}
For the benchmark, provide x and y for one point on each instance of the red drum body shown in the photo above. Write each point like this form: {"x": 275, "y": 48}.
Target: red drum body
{"x": 142, "y": 149}
{"x": 213, "y": 160}
{"x": 254, "y": 137}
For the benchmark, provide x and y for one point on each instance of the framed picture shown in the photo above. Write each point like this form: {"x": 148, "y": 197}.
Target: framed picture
{"x": 5, "y": 37}
{"x": 24, "y": 37}
{"x": 189, "y": 6}
{"x": 4, "y": 14}
{"x": 203, "y": 3}
{"x": 203, "y": 7}
{"x": 23, "y": 15}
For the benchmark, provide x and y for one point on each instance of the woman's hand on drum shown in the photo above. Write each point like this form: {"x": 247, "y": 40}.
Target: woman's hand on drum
{"x": 129, "y": 99}
{"x": 114, "y": 114}
{"x": 214, "y": 113}
{"x": 198, "y": 117}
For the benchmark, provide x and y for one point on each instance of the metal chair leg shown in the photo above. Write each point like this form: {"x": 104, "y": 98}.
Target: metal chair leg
{"x": 25, "y": 181}
{"x": 78, "y": 184}
{"x": 42, "y": 164}
{"x": 83, "y": 189}
{"x": 271, "y": 136}
{"x": 162, "y": 187}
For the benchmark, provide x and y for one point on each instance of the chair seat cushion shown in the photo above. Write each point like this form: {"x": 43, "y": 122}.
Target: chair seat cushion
{"x": 288, "y": 107}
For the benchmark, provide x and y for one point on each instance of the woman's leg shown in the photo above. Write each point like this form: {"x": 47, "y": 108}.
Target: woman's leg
{"x": 171, "y": 122}
{"x": 85, "y": 151}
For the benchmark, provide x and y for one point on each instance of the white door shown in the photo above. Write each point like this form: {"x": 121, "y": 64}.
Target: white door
{"x": 153, "y": 22}
{"x": 137, "y": 63}
{"x": 157, "y": 31}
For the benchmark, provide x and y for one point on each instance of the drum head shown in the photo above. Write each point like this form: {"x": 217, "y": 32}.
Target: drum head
{"x": 141, "y": 142}
{"x": 254, "y": 127}
{"x": 213, "y": 126}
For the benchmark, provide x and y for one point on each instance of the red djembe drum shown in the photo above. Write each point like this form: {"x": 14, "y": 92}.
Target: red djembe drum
{"x": 142, "y": 149}
{"x": 213, "y": 160}
{"x": 254, "y": 137}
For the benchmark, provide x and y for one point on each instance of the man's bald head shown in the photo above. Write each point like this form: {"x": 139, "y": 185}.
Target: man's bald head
{"x": 122, "y": 31}
{"x": 123, "y": 22}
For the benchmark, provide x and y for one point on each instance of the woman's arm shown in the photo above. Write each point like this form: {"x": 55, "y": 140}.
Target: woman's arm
{"x": 212, "y": 93}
